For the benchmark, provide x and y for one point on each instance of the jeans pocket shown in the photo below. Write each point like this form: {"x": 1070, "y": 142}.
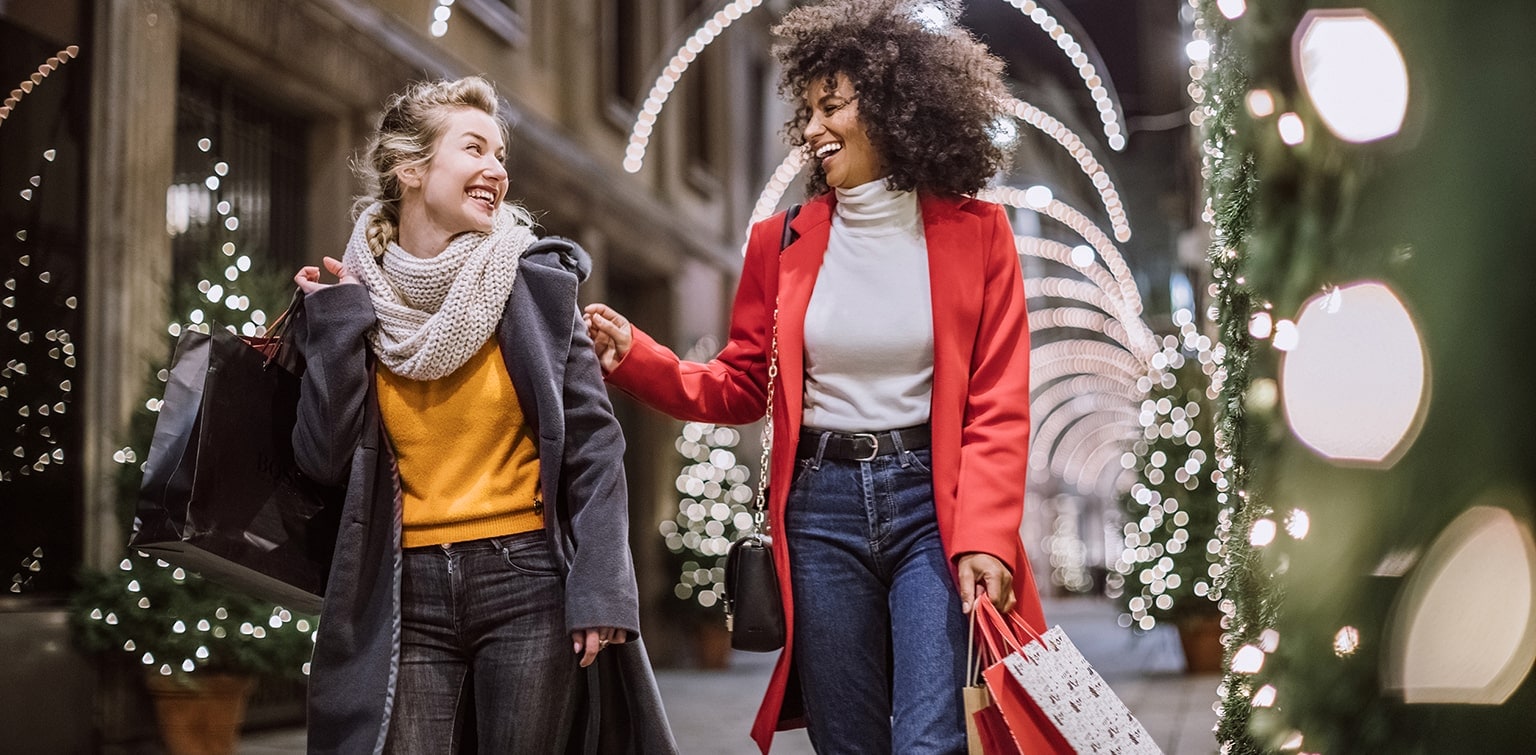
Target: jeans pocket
{"x": 528, "y": 554}
{"x": 803, "y": 471}
{"x": 921, "y": 460}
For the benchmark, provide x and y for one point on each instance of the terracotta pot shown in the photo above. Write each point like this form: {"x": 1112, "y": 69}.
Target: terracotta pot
{"x": 1200, "y": 636}
{"x": 200, "y": 714}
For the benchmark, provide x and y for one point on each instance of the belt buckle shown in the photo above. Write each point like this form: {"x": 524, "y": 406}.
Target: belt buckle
{"x": 874, "y": 442}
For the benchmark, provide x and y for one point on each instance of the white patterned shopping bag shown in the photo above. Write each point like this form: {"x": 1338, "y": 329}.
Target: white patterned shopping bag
{"x": 1085, "y": 710}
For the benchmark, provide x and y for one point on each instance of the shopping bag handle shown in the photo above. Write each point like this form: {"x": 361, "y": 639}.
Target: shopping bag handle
{"x": 280, "y": 325}
{"x": 997, "y": 637}
{"x": 1023, "y": 629}
{"x": 272, "y": 344}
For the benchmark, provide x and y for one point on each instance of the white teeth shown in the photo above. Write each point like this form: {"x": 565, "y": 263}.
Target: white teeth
{"x": 827, "y": 149}
{"x": 481, "y": 195}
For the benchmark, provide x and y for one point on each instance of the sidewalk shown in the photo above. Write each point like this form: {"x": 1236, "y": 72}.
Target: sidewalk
{"x": 711, "y": 711}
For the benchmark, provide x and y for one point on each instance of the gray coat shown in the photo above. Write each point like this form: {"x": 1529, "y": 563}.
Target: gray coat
{"x": 340, "y": 440}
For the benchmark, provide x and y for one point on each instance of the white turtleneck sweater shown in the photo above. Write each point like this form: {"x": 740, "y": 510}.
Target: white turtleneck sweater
{"x": 869, "y": 327}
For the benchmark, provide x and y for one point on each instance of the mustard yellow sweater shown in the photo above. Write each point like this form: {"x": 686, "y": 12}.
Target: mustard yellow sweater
{"x": 469, "y": 463}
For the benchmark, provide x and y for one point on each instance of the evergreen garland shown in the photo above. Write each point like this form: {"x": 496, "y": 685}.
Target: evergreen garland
{"x": 1431, "y": 215}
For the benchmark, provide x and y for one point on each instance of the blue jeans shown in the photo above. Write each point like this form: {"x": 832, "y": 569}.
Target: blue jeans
{"x": 879, "y": 637}
{"x": 483, "y": 649}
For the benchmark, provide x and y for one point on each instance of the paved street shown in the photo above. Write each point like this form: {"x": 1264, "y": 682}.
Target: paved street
{"x": 711, "y": 711}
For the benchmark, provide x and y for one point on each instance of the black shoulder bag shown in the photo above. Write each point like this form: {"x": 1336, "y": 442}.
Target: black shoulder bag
{"x": 754, "y": 611}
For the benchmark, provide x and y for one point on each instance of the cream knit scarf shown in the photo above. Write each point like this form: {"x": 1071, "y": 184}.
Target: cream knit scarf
{"x": 434, "y": 314}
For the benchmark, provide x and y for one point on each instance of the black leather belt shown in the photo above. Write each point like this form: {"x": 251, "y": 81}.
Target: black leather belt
{"x": 862, "y": 446}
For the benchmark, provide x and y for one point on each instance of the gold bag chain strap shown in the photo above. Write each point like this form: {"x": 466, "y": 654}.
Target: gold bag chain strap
{"x": 761, "y": 504}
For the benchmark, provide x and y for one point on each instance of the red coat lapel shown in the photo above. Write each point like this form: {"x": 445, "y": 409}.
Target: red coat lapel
{"x": 798, "y": 267}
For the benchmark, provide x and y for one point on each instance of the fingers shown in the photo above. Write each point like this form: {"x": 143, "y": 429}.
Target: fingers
{"x": 587, "y": 643}
{"x": 616, "y": 329}
{"x": 995, "y": 581}
{"x": 607, "y": 319}
{"x": 601, "y": 310}
{"x": 967, "y": 577}
{"x": 308, "y": 279}
{"x": 1000, "y": 588}
{"x": 610, "y": 334}
{"x": 339, "y": 269}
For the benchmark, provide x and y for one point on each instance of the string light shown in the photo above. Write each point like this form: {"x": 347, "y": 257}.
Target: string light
{"x": 1170, "y": 464}
{"x": 1292, "y": 130}
{"x": 1124, "y": 304}
{"x": 26, "y": 85}
{"x": 1232, "y": 9}
{"x": 1083, "y": 155}
{"x": 712, "y": 513}
{"x": 1260, "y": 103}
{"x": 1079, "y": 223}
{"x": 45, "y": 357}
{"x": 1248, "y": 660}
{"x": 1095, "y": 78}
{"x": 795, "y": 161}
{"x": 440, "y": 15}
{"x": 672, "y": 73}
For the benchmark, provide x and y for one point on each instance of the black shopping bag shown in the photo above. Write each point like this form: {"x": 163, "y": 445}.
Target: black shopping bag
{"x": 221, "y": 494}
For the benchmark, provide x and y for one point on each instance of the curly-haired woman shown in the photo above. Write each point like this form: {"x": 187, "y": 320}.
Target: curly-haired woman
{"x": 484, "y": 562}
{"x": 901, "y": 404}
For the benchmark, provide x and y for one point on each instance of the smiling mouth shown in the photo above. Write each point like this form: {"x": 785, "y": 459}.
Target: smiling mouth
{"x": 485, "y": 196}
{"x": 828, "y": 149}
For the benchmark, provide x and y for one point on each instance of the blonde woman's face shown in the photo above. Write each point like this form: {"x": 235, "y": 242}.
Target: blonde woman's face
{"x": 835, "y": 135}
{"x": 465, "y": 181}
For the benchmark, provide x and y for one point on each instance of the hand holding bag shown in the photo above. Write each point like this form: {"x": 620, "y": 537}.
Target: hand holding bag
{"x": 221, "y": 494}
{"x": 754, "y": 609}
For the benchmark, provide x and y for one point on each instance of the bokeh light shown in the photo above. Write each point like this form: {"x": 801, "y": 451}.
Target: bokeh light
{"x": 1353, "y": 72}
{"x": 1354, "y": 385}
{"x": 1463, "y": 629}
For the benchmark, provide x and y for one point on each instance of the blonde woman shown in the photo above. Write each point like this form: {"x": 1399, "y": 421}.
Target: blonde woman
{"x": 483, "y": 564}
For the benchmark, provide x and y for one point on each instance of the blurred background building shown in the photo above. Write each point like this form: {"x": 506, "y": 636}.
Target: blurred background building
{"x": 179, "y": 122}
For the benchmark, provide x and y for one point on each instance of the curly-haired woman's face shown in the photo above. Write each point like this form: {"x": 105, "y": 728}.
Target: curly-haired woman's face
{"x": 835, "y": 135}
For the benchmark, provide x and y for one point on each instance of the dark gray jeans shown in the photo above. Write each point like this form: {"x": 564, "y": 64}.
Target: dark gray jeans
{"x": 483, "y": 649}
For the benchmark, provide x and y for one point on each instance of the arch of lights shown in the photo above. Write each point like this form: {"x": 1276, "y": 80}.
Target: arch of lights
{"x": 1085, "y": 390}
{"x": 1084, "y": 58}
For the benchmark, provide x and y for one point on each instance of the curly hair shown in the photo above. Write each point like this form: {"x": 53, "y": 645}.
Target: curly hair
{"x": 406, "y": 135}
{"x": 928, "y": 90}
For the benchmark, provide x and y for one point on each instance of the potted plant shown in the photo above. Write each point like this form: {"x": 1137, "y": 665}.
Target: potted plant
{"x": 1170, "y": 554}
{"x": 201, "y": 646}
{"x": 711, "y": 514}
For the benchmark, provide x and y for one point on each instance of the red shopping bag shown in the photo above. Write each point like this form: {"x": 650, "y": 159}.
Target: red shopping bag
{"x": 1012, "y": 724}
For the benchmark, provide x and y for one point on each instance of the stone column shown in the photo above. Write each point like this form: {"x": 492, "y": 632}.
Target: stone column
{"x": 128, "y": 252}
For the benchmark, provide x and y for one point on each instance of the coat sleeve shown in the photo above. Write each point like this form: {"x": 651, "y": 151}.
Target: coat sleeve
{"x": 600, "y": 587}
{"x": 335, "y": 382}
{"x": 994, "y": 445}
{"x": 731, "y": 388}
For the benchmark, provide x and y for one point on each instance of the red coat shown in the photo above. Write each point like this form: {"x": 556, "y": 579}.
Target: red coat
{"x": 980, "y": 411}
